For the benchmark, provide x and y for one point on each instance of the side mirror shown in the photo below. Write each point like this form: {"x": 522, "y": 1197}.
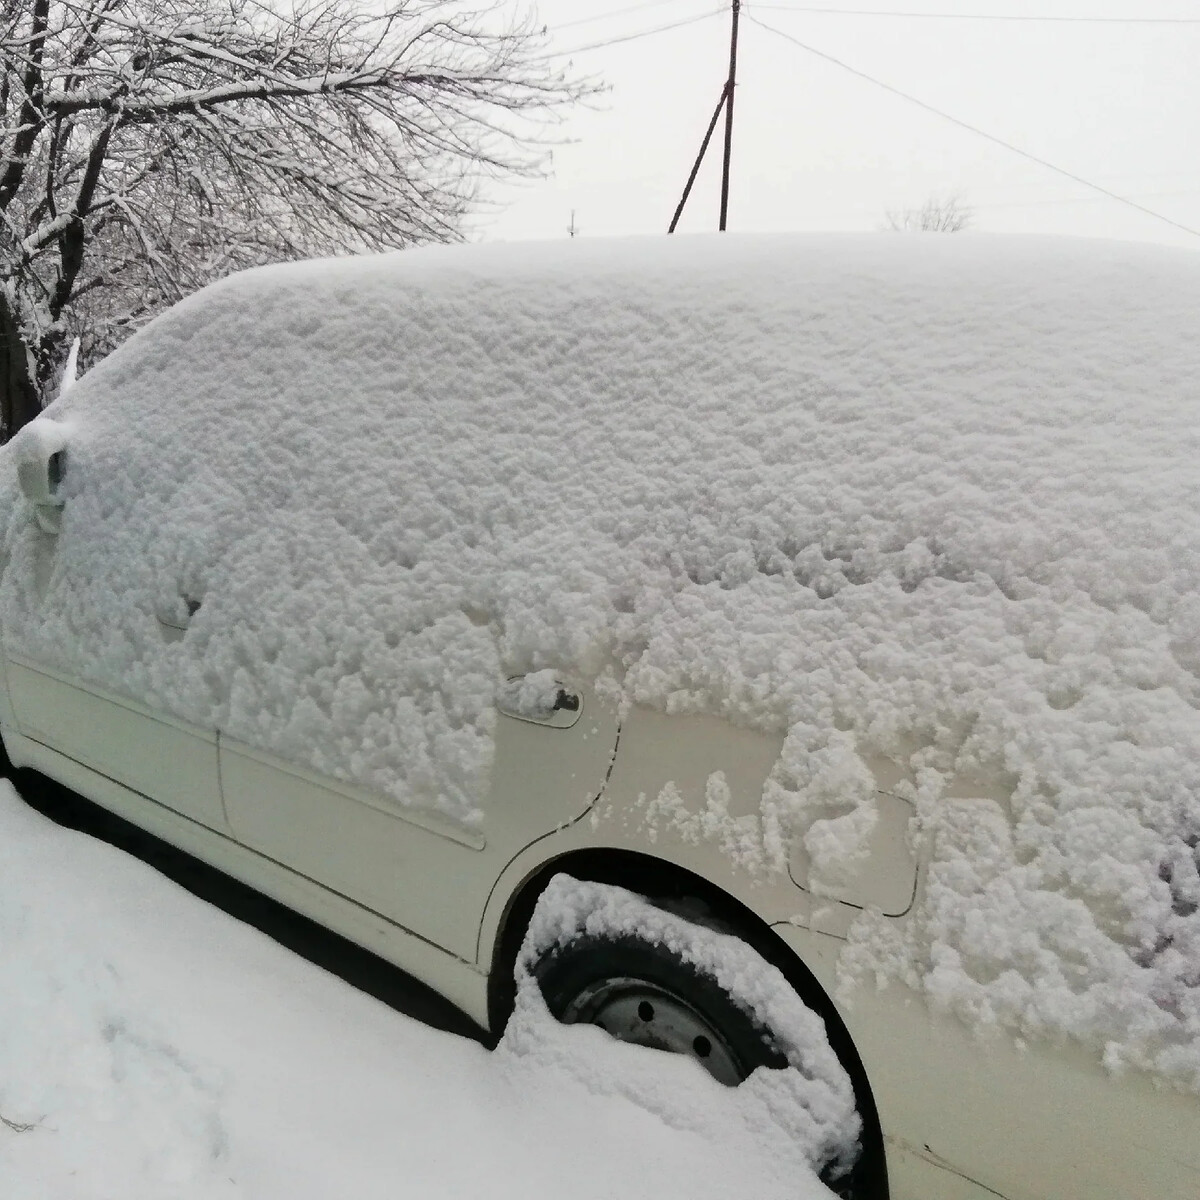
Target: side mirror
{"x": 41, "y": 453}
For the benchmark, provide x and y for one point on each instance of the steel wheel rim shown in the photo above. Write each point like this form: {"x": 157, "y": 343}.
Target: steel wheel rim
{"x": 643, "y": 1014}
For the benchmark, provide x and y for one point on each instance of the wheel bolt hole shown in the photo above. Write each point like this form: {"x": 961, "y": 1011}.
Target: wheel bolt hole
{"x": 646, "y": 1010}
{"x": 702, "y": 1046}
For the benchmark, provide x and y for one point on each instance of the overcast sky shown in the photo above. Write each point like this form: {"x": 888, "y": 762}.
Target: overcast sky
{"x": 817, "y": 147}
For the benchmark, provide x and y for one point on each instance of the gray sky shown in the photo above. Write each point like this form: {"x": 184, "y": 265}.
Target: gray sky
{"x": 816, "y": 147}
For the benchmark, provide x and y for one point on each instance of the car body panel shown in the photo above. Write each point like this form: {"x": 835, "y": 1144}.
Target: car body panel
{"x": 945, "y": 1140}
{"x": 397, "y": 862}
{"x": 460, "y": 982}
{"x": 691, "y": 788}
{"x": 680, "y": 757}
{"x": 986, "y": 1116}
{"x": 150, "y": 753}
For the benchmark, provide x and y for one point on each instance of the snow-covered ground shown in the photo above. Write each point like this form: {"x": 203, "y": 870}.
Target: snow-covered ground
{"x": 152, "y": 1047}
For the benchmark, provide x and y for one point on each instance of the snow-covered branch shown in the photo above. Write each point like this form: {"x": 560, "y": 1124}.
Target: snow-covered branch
{"x": 149, "y": 146}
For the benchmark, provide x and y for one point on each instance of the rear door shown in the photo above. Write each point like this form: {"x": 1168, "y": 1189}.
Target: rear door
{"x": 419, "y": 870}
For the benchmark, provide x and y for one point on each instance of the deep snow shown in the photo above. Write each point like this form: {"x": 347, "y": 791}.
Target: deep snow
{"x": 931, "y": 500}
{"x": 157, "y": 1048}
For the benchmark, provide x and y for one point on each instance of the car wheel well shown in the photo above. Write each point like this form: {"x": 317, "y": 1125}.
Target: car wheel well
{"x": 696, "y": 898}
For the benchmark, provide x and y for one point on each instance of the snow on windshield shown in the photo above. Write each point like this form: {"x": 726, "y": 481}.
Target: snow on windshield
{"x": 928, "y": 500}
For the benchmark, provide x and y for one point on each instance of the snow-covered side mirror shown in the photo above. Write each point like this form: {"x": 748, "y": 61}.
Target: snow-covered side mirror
{"x": 41, "y": 453}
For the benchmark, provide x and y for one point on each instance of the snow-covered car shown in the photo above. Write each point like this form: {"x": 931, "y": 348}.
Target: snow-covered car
{"x": 840, "y": 593}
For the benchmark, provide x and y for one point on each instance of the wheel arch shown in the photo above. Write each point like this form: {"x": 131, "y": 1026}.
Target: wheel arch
{"x": 664, "y": 880}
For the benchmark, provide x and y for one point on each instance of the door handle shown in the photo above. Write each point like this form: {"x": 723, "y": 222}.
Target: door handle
{"x": 541, "y": 701}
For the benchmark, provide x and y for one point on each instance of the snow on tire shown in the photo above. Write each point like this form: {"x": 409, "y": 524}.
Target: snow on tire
{"x": 597, "y": 954}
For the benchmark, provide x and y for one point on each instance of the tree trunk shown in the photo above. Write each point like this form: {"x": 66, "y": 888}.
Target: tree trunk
{"x": 19, "y": 399}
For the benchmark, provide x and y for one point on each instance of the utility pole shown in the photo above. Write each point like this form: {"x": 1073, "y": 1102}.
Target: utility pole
{"x": 687, "y": 187}
{"x": 726, "y": 103}
{"x": 729, "y": 89}
{"x": 572, "y": 229}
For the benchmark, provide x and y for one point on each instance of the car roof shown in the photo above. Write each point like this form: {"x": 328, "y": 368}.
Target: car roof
{"x": 887, "y": 387}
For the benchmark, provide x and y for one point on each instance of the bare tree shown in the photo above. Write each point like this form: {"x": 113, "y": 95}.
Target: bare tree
{"x": 934, "y": 216}
{"x": 148, "y": 147}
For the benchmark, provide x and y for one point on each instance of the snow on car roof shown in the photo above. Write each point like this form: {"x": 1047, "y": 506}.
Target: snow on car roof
{"x": 926, "y": 498}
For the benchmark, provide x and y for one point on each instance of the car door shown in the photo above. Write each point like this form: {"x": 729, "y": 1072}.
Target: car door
{"x": 162, "y": 758}
{"x": 420, "y": 870}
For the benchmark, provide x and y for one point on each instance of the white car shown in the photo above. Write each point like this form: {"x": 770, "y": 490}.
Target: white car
{"x": 839, "y": 592}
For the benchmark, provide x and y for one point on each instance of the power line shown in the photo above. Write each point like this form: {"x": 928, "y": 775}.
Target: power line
{"x": 607, "y": 16}
{"x": 633, "y": 37}
{"x": 937, "y": 112}
{"x": 1066, "y": 200}
{"x": 956, "y": 16}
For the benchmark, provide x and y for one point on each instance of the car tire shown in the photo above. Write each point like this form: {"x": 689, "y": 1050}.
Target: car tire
{"x": 646, "y": 994}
